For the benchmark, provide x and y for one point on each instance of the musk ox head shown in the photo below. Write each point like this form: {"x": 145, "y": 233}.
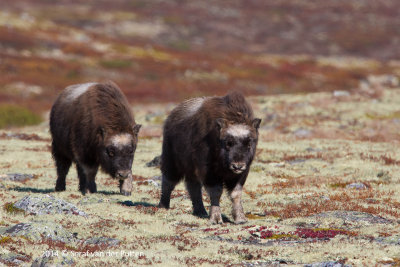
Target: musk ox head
{"x": 117, "y": 151}
{"x": 238, "y": 143}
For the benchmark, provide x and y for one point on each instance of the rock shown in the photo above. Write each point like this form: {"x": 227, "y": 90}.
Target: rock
{"x": 91, "y": 200}
{"x": 358, "y": 186}
{"x": 391, "y": 240}
{"x": 39, "y": 230}
{"x": 102, "y": 241}
{"x": 46, "y": 204}
{"x": 13, "y": 259}
{"x": 340, "y": 93}
{"x": 50, "y": 261}
{"x": 17, "y": 177}
{"x": 353, "y": 216}
{"x": 152, "y": 182}
{"x": 327, "y": 264}
{"x": 156, "y": 162}
{"x": 302, "y": 133}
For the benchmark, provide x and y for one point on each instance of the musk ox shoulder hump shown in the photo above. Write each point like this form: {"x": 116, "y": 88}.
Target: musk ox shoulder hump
{"x": 191, "y": 106}
{"x": 75, "y": 91}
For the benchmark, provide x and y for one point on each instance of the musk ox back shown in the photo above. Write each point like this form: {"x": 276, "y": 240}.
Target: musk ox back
{"x": 209, "y": 142}
{"x": 92, "y": 125}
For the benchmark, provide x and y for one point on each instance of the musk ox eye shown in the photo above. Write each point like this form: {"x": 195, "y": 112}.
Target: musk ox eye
{"x": 110, "y": 152}
{"x": 229, "y": 143}
{"x": 246, "y": 142}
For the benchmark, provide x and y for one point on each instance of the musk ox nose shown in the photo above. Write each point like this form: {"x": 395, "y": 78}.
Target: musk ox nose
{"x": 123, "y": 174}
{"x": 238, "y": 167}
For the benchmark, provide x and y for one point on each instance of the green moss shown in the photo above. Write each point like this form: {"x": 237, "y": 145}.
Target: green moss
{"x": 4, "y": 239}
{"x": 338, "y": 185}
{"x": 12, "y": 115}
{"x": 10, "y": 208}
{"x": 116, "y": 64}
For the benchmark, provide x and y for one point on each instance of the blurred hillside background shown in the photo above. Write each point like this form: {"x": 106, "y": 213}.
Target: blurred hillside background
{"x": 168, "y": 50}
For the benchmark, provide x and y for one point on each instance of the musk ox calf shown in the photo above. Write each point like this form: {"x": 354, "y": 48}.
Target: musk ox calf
{"x": 92, "y": 125}
{"x": 209, "y": 141}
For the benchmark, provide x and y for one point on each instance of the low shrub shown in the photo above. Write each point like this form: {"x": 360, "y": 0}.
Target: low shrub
{"x": 13, "y": 115}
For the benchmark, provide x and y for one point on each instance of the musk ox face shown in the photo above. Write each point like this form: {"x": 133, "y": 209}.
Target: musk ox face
{"x": 117, "y": 153}
{"x": 238, "y": 144}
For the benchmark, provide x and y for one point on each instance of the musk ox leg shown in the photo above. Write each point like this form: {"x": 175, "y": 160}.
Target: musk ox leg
{"x": 63, "y": 164}
{"x": 166, "y": 190}
{"x": 215, "y": 193}
{"x": 194, "y": 189}
{"x": 87, "y": 178}
{"x": 125, "y": 186}
{"x": 237, "y": 208}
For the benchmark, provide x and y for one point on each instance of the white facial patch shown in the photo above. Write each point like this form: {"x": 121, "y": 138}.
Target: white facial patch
{"x": 238, "y": 130}
{"x": 121, "y": 140}
{"x": 191, "y": 106}
{"x": 75, "y": 91}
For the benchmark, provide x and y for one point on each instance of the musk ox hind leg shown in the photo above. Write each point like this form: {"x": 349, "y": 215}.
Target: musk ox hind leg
{"x": 215, "y": 193}
{"x": 87, "y": 178}
{"x": 167, "y": 187}
{"x": 194, "y": 189}
{"x": 63, "y": 164}
{"x": 237, "y": 208}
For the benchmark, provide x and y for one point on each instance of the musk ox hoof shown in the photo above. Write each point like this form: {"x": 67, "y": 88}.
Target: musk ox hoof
{"x": 241, "y": 220}
{"x": 60, "y": 189}
{"x": 161, "y": 205}
{"x": 200, "y": 213}
{"x": 215, "y": 215}
{"x": 126, "y": 193}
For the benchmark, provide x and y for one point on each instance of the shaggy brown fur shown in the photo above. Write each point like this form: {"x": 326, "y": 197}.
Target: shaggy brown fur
{"x": 92, "y": 125}
{"x": 211, "y": 142}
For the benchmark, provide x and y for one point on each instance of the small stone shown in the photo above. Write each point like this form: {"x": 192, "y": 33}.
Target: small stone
{"x": 102, "y": 241}
{"x": 340, "y": 93}
{"x": 152, "y": 182}
{"x": 156, "y": 162}
{"x": 358, "y": 186}
{"x": 352, "y": 216}
{"x": 13, "y": 259}
{"x": 17, "y": 177}
{"x": 90, "y": 200}
{"x": 323, "y": 197}
{"x": 45, "y": 261}
{"x": 302, "y": 133}
{"x": 327, "y": 264}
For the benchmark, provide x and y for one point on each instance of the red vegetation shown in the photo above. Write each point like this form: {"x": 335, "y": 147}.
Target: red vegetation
{"x": 319, "y": 233}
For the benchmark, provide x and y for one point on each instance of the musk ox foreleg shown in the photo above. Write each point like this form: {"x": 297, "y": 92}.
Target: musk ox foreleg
{"x": 87, "y": 176}
{"x": 166, "y": 190}
{"x": 125, "y": 186}
{"x": 215, "y": 193}
{"x": 63, "y": 164}
{"x": 194, "y": 189}
{"x": 237, "y": 208}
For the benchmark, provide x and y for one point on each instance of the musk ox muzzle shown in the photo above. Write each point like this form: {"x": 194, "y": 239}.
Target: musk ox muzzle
{"x": 123, "y": 174}
{"x": 238, "y": 167}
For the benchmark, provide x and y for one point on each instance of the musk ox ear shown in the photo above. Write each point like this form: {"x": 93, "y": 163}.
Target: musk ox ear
{"x": 136, "y": 128}
{"x": 256, "y": 123}
{"x": 221, "y": 123}
{"x": 101, "y": 133}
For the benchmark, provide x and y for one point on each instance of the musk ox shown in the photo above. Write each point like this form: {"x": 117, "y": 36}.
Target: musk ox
{"x": 92, "y": 125}
{"x": 210, "y": 142}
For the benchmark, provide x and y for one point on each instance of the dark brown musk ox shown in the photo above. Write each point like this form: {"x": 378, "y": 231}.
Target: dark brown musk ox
{"x": 210, "y": 142}
{"x": 92, "y": 125}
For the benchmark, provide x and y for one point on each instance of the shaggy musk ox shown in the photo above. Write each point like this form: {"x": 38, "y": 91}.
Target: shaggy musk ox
{"x": 92, "y": 125}
{"x": 209, "y": 141}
